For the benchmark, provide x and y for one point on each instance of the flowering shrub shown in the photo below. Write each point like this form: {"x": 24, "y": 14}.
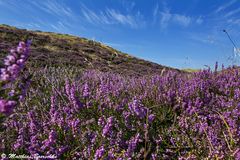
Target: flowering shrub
{"x": 13, "y": 64}
{"x": 109, "y": 116}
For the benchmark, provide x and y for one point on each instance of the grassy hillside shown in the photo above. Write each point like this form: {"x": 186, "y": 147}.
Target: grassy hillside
{"x": 52, "y": 49}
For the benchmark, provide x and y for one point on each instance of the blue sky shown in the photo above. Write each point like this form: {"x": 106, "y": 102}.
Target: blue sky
{"x": 176, "y": 33}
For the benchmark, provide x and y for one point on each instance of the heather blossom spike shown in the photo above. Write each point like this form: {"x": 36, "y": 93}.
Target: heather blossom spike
{"x": 132, "y": 145}
{"x": 6, "y": 106}
{"x": 107, "y": 129}
{"x": 86, "y": 91}
{"x": 99, "y": 153}
{"x": 11, "y": 71}
{"x": 137, "y": 108}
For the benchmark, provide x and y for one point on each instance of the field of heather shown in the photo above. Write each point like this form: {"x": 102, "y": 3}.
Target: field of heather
{"x": 70, "y": 114}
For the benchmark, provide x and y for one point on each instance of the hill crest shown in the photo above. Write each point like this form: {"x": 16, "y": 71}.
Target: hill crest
{"x": 75, "y": 51}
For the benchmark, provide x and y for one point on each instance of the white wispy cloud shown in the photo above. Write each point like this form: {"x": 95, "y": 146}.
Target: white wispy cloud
{"x": 225, "y": 6}
{"x": 234, "y": 21}
{"x": 59, "y": 26}
{"x": 108, "y": 16}
{"x": 112, "y": 16}
{"x": 54, "y": 8}
{"x": 166, "y": 17}
{"x": 233, "y": 12}
{"x": 93, "y": 17}
{"x": 182, "y": 19}
{"x": 121, "y": 18}
{"x": 128, "y": 5}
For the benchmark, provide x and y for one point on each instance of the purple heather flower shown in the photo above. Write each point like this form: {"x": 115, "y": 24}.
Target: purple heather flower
{"x": 107, "y": 129}
{"x": 6, "y": 106}
{"x": 11, "y": 93}
{"x": 154, "y": 156}
{"x": 99, "y": 153}
{"x": 111, "y": 154}
{"x": 86, "y": 90}
{"x": 32, "y": 123}
{"x": 20, "y": 62}
{"x": 237, "y": 154}
{"x": 10, "y": 59}
{"x": 50, "y": 141}
{"x": 62, "y": 150}
{"x": 10, "y": 72}
{"x": 72, "y": 97}
{"x": 137, "y": 108}
{"x": 20, "y": 140}
{"x": 74, "y": 126}
{"x": 11, "y": 67}
{"x": 132, "y": 145}
{"x": 151, "y": 117}
{"x": 101, "y": 121}
{"x": 5, "y": 77}
{"x": 34, "y": 145}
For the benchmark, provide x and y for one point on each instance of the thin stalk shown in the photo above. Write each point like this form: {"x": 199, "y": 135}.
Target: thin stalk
{"x": 206, "y": 135}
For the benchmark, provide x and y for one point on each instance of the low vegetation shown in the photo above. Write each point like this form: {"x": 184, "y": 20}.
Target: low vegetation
{"x": 75, "y": 51}
{"x": 89, "y": 114}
